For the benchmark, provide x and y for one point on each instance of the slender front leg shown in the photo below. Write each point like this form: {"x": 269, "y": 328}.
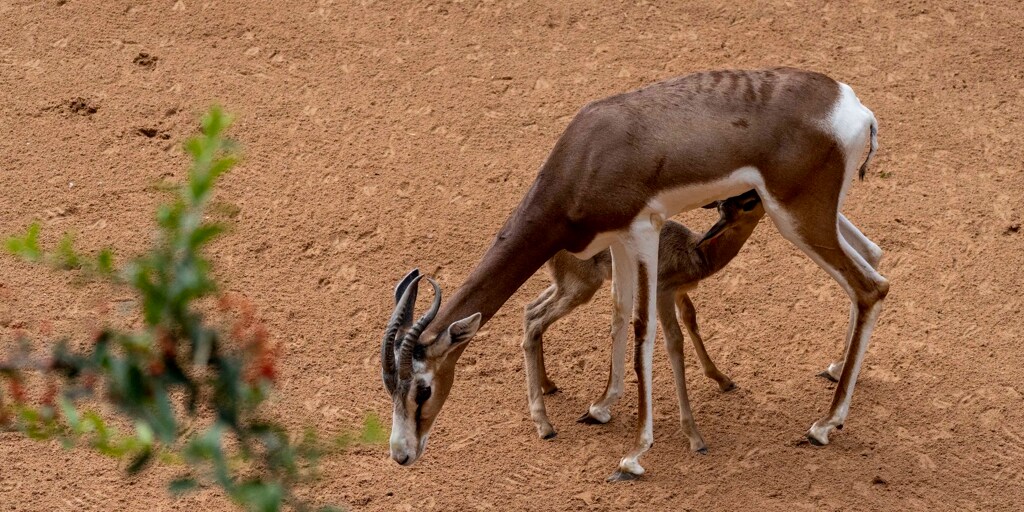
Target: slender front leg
{"x": 674, "y": 345}
{"x": 689, "y": 316}
{"x": 644, "y": 248}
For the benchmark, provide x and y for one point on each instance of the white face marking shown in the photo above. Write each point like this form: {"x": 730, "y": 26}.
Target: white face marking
{"x": 419, "y": 366}
{"x": 403, "y": 439}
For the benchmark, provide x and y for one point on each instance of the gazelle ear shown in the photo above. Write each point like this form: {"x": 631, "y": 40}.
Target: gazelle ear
{"x": 464, "y": 330}
{"x": 458, "y": 333}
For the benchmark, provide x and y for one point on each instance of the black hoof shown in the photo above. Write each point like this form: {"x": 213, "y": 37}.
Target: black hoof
{"x": 552, "y": 391}
{"x": 702, "y": 451}
{"x": 550, "y": 435}
{"x": 814, "y": 441}
{"x": 729, "y": 387}
{"x": 589, "y": 420}
{"x": 828, "y": 376}
{"x": 622, "y": 476}
{"x": 839, "y": 426}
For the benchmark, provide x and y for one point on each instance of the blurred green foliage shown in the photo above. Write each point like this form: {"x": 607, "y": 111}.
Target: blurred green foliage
{"x": 190, "y": 390}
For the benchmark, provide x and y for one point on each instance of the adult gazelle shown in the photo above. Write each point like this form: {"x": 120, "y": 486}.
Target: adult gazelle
{"x": 624, "y": 166}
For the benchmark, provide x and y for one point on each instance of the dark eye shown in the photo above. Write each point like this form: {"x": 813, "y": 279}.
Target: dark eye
{"x": 422, "y": 394}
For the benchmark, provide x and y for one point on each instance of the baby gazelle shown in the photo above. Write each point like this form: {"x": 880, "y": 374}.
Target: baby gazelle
{"x": 684, "y": 259}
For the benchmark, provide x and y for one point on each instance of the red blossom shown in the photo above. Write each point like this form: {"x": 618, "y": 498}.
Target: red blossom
{"x": 168, "y": 346}
{"x": 253, "y": 337}
{"x": 225, "y": 302}
{"x": 89, "y": 381}
{"x": 17, "y": 389}
{"x": 50, "y": 395}
{"x": 156, "y": 367}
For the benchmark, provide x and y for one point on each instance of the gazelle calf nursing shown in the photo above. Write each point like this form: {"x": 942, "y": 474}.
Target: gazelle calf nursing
{"x": 622, "y": 167}
{"x": 684, "y": 259}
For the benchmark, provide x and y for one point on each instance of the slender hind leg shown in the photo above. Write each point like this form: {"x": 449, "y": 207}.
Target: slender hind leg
{"x": 674, "y": 345}
{"x": 689, "y": 316}
{"x": 871, "y": 254}
{"x": 811, "y": 222}
{"x": 641, "y": 253}
{"x": 554, "y": 303}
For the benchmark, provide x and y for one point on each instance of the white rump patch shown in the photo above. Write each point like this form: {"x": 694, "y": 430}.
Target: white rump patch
{"x": 850, "y": 123}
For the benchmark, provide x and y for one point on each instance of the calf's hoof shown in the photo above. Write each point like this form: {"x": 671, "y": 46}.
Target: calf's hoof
{"x": 622, "y": 476}
{"x": 595, "y": 416}
{"x": 546, "y": 431}
{"x": 827, "y": 376}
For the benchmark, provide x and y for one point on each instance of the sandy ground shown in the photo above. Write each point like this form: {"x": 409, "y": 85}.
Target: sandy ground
{"x": 380, "y": 136}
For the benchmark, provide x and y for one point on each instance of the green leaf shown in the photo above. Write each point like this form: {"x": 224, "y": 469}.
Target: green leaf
{"x": 140, "y": 461}
{"x": 222, "y": 165}
{"x": 105, "y": 262}
{"x": 204, "y": 234}
{"x": 26, "y": 247}
{"x": 180, "y": 486}
{"x": 214, "y": 122}
{"x": 67, "y": 258}
{"x": 70, "y": 414}
{"x": 260, "y": 496}
{"x": 194, "y": 147}
{"x": 144, "y": 433}
{"x": 373, "y": 430}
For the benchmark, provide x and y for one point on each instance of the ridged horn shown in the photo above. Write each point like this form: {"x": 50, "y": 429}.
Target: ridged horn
{"x": 412, "y": 336}
{"x": 401, "y": 318}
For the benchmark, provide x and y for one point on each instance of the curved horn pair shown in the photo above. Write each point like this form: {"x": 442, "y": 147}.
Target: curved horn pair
{"x": 412, "y": 336}
{"x": 401, "y": 318}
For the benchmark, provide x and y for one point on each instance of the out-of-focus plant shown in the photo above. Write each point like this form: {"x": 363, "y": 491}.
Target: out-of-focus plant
{"x": 189, "y": 389}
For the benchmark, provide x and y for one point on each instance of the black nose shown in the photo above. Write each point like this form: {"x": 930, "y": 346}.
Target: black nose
{"x": 404, "y": 460}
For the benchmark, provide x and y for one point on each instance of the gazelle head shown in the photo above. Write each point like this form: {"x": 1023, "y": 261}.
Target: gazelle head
{"x": 736, "y": 212}
{"x": 418, "y": 373}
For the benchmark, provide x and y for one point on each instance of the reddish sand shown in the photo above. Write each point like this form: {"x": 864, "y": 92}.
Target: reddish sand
{"x": 380, "y": 136}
